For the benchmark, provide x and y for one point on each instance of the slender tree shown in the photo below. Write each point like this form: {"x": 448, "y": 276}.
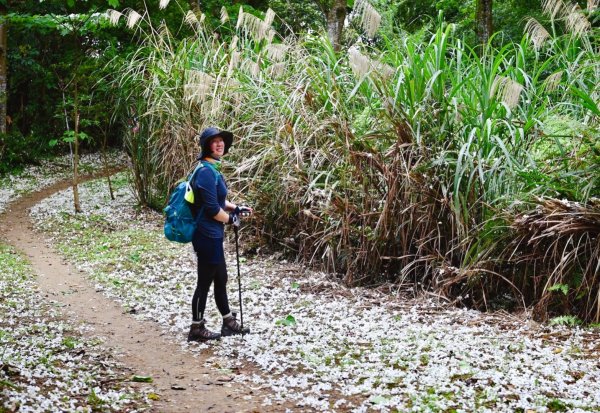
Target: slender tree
{"x": 76, "y": 203}
{"x": 3, "y": 69}
{"x": 336, "y": 16}
{"x": 195, "y": 6}
{"x": 484, "y": 20}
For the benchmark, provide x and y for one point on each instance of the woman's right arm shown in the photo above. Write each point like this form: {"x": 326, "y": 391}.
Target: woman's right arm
{"x": 222, "y": 216}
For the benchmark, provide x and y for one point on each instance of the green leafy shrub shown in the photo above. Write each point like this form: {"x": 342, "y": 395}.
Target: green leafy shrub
{"x": 17, "y": 150}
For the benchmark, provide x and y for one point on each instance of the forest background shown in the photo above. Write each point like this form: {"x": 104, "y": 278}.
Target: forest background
{"x": 443, "y": 146}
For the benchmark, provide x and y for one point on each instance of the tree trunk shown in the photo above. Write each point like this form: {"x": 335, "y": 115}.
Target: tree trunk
{"x": 484, "y": 21}
{"x": 105, "y": 162}
{"x": 336, "y": 16}
{"x": 3, "y": 73}
{"x": 76, "y": 149}
{"x": 195, "y": 6}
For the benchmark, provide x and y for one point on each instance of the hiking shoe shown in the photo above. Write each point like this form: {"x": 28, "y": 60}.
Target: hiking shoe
{"x": 199, "y": 332}
{"x": 232, "y": 327}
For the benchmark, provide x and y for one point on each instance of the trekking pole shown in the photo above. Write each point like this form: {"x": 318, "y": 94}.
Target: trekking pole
{"x": 237, "y": 257}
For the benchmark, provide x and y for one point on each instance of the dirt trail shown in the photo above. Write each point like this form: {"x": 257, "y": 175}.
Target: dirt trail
{"x": 138, "y": 344}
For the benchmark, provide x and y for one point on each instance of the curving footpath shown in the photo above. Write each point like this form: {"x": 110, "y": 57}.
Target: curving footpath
{"x": 182, "y": 380}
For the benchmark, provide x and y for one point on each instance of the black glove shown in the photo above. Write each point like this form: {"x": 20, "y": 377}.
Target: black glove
{"x": 242, "y": 211}
{"x": 234, "y": 219}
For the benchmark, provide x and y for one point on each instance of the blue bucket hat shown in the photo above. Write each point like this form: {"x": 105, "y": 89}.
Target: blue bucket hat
{"x": 209, "y": 133}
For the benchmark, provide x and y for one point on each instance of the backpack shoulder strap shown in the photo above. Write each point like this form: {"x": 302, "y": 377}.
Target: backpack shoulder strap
{"x": 191, "y": 176}
{"x": 189, "y": 191}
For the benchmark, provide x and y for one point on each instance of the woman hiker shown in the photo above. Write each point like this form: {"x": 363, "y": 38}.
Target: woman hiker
{"x": 212, "y": 211}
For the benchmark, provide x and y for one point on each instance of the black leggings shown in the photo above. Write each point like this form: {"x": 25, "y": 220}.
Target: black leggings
{"x": 207, "y": 273}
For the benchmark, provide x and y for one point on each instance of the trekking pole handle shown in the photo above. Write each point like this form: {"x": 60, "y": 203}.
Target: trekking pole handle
{"x": 243, "y": 211}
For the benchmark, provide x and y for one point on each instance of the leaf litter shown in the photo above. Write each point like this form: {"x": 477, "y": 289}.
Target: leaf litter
{"x": 51, "y": 171}
{"x": 321, "y": 345}
{"x": 46, "y": 363}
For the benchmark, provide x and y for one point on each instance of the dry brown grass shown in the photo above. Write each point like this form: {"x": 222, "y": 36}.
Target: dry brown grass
{"x": 560, "y": 241}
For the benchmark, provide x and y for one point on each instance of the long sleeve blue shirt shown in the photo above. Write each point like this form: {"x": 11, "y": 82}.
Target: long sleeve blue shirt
{"x": 210, "y": 194}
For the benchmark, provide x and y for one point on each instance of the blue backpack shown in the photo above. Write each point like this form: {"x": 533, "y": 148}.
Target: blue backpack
{"x": 180, "y": 224}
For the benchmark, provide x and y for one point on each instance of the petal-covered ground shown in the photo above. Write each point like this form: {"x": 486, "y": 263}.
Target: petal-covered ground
{"x": 318, "y": 344}
{"x": 46, "y": 363}
{"x": 48, "y": 172}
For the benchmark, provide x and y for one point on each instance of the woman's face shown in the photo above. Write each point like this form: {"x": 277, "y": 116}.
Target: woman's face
{"x": 217, "y": 147}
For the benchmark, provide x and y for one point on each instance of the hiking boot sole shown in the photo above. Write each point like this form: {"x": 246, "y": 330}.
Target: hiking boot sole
{"x": 202, "y": 339}
{"x": 228, "y": 333}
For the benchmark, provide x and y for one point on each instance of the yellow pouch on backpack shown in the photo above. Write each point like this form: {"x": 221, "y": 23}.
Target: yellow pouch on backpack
{"x": 189, "y": 193}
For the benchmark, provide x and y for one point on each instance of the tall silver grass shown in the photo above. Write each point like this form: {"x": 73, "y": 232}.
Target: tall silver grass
{"x": 393, "y": 165}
